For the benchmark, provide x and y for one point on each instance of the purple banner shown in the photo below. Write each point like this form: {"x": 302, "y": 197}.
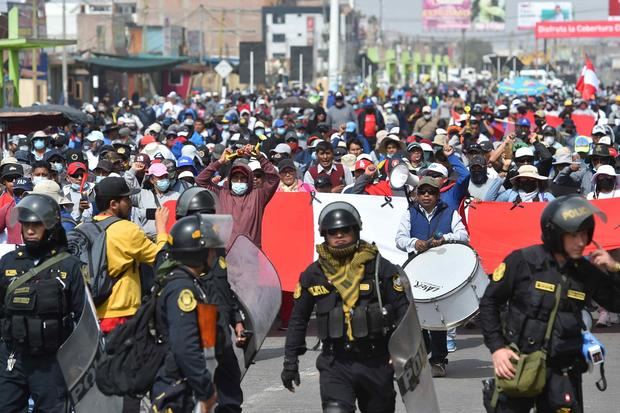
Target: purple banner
{"x": 446, "y": 14}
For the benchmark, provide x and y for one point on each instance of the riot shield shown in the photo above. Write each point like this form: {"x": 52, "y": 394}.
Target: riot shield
{"x": 78, "y": 357}
{"x": 255, "y": 281}
{"x": 409, "y": 359}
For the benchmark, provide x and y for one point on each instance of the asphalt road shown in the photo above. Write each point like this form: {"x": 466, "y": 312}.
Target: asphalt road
{"x": 459, "y": 392}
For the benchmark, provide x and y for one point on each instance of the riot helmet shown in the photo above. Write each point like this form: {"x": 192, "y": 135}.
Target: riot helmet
{"x": 196, "y": 200}
{"x": 38, "y": 208}
{"x": 339, "y": 215}
{"x": 565, "y": 215}
{"x": 193, "y": 236}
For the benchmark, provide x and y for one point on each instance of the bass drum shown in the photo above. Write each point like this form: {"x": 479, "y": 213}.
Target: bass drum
{"x": 447, "y": 283}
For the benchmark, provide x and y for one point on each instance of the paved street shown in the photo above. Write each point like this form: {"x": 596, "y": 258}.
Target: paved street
{"x": 459, "y": 392}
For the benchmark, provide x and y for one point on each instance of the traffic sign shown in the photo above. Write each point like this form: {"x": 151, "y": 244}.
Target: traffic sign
{"x": 223, "y": 69}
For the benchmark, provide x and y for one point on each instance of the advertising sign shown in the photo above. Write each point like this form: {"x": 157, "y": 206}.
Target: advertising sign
{"x": 488, "y": 15}
{"x": 614, "y": 9}
{"x": 571, "y": 30}
{"x": 446, "y": 14}
{"x": 528, "y": 14}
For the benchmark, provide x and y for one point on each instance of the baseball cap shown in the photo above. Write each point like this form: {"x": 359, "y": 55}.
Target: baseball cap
{"x": 185, "y": 161}
{"x": 582, "y": 144}
{"x": 105, "y": 165}
{"x": 76, "y": 166}
{"x": 39, "y": 134}
{"x": 282, "y": 148}
{"x": 53, "y": 153}
{"x": 440, "y": 140}
{"x": 599, "y": 130}
{"x": 478, "y": 160}
{"x": 436, "y": 167}
{"x": 523, "y": 152}
{"x": 339, "y": 95}
{"x": 426, "y": 109}
{"x": 279, "y": 123}
{"x": 351, "y": 127}
{"x": 95, "y": 136}
{"x": 254, "y": 165}
{"x": 413, "y": 145}
{"x": 286, "y": 164}
{"x": 362, "y": 164}
{"x": 486, "y": 146}
{"x": 427, "y": 180}
{"x": 124, "y": 131}
{"x": 144, "y": 158}
{"x": 24, "y": 183}
{"x": 158, "y": 169}
{"x": 113, "y": 186}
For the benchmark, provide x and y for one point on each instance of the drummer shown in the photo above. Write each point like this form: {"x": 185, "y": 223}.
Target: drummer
{"x": 430, "y": 222}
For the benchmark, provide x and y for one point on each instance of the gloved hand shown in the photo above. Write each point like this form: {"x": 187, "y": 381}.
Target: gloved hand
{"x": 290, "y": 374}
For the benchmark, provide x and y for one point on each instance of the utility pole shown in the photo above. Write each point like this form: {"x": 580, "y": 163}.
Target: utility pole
{"x": 334, "y": 43}
{"x": 35, "y": 34}
{"x": 380, "y": 21}
{"x": 463, "y": 49}
{"x": 65, "y": 92}
{"x": 202, "y": 34}
{"x": 145, "y": 48}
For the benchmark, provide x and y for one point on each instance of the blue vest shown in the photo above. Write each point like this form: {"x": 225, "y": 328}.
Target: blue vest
{"x": 422, "y": 229}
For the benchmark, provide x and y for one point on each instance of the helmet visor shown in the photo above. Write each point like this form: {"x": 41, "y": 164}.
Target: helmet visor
{"x": 36, "y": 208}
{"x": 215, "y": 230}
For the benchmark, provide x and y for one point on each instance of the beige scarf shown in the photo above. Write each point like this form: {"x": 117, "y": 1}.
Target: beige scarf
{"x": 344, "y": 268}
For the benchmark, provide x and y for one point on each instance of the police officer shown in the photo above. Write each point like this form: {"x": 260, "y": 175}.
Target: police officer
{"x": 41, "y": 296}
{"x": 197, "y": 200}
{"x": 526, "y": 281}
{"x": 185, "y": 379}
{"x": 359, "y": 300}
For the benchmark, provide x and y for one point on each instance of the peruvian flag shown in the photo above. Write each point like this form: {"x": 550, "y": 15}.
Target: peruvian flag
{"x": 588, "y": 83}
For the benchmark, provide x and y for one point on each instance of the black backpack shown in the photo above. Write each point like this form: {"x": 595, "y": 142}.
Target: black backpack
{"x": 133, "y": 353}
{"x": 88, "y": 243}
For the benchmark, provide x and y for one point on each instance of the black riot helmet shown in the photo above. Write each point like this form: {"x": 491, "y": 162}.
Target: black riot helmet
{"x": 339, "y": 215}
{"x": 38, "y": 208}
{"x": 193, "y": 236}
{"x": 196, "y": 200}
{"x": 564, "y": 215}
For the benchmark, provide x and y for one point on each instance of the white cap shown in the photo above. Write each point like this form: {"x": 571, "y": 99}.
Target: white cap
{"x": 394, "y": 131}
{"x": 436, "y": 167}
{"x": 605, "y": 140}
{"x": 51, "y": 189}
{"x": 255, "y": 165}
{"x": 426, "y": 147}
{"x": 189, "y": 151}
{"x": 95, "y": 136}
{"x": 363, "y": 156}
{"x": 186, "y": 174}
{"x": 599, "y": 129}
{"x": 523, "y": 152}
{"x": 426, "y": 109}
{"x": 502, "y": 107}
{"x": 282, "y": 148}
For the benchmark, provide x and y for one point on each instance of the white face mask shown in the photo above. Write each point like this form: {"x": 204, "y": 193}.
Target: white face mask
{"x": 549, "y": 140}
{"x": 427, "y": 116}
{"x": 38, "y": 179}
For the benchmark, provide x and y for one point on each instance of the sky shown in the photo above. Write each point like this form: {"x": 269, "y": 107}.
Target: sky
{"x": 406, "y": 16}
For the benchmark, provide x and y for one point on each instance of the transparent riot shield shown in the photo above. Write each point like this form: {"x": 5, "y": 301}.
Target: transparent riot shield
{"x": 78, "y": 357}
{"x": 256, "y": 283}
{"x": 409, "y": 358}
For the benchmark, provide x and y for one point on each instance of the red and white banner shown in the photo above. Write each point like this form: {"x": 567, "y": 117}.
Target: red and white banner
{"x": 614, "y": 9}
{"x": 290, "y": 229}
{"x": 578, "y": 29}
{"x": 588, "y": 82}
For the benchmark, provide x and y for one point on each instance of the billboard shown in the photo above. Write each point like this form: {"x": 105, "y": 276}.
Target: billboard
{"x": 578, "y": 29}
{"x": 446, "y": 14}
{"x": 614, "y": 9}
{"x": 488, "y": 15}
{"x": 479, "y": 15}
{"x": 528, "y": 14}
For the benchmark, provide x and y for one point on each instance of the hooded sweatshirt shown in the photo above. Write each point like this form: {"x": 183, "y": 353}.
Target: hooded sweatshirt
{"x": 248, "y": 209}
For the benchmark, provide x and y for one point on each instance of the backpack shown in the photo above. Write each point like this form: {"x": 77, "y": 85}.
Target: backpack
{"x": 88, "y": 243}
{"x": 134, "y": 352}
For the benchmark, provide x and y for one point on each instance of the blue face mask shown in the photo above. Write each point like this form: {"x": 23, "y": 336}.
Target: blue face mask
{"x": 281, "y": 131}
{"x": 313, "y": 156}
{"x": 239, "y": 188}
{"x": 57, "y": 166}
{"x": 163, "y": 184}
{"x": 75, "y": 187}
{"x": 99, "y": 178}
{"x": 39, "y": 144}
{"x": 259, "y": 132}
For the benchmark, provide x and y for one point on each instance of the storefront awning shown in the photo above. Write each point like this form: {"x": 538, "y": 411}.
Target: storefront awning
{"x": 134, "y": 64}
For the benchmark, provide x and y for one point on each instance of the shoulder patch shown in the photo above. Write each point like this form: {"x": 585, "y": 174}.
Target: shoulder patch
{"x": 222, "y": 262}
{"x": 397, "y": 284}
{"x": 297, "y": 292}
{"x": 186, "y": 301}
{"x": 498, "y": 274}
{"x": 85, "y": 272}
{"x": 10, "y": 273}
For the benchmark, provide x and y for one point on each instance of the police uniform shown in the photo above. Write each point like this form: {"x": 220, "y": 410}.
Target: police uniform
{"x": 184, "y": 375}
{"x": 350, "y": 369}
{"x": 227, "y": 374}
{"x": 526, "y": 281}
{"x": 36, "y": 319}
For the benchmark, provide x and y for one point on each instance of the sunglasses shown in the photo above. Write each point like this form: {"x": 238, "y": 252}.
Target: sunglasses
{"x": 427, "y": 192}
{"x": 9, "y": 178}
{"x": 77, "y": 176}
{"x": 344, "y": 231}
